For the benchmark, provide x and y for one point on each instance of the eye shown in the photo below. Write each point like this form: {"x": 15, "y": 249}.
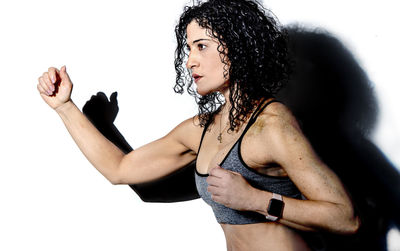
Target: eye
{"x": 201, "y": 47}
{"x": 187, "y": 48}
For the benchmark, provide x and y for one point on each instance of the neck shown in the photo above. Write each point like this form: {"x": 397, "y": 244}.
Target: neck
{"x": 227, "y": 106}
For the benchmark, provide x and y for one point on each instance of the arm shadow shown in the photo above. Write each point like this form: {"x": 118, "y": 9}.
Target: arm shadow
{"x": 178, "y": 186}
{"x": 335, "y": 104}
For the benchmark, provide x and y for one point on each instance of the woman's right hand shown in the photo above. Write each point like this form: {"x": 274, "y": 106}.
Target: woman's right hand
{"x": 55, "y": 87}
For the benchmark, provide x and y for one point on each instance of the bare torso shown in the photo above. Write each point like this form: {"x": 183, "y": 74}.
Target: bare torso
{"x": 262, "y": 236}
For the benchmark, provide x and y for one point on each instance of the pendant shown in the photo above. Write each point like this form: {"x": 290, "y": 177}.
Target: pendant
{"x": 220, "y": 137}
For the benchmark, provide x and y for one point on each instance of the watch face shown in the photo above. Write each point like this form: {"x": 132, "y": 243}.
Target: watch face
{"x": 275, "y": 207}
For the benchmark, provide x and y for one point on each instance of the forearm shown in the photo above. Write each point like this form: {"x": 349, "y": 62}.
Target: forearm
{"x": 308, "y": 215}
{"x": 100, "y": 152}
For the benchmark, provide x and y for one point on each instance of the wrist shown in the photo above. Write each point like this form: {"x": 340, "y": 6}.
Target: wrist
{"x": 63, "y": 108}
{"x": 260, "y": 201}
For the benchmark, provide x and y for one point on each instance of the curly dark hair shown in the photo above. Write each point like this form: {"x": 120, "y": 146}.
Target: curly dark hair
{"x": 254, "y": 44}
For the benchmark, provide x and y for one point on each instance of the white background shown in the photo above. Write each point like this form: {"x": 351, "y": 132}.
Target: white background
{"x": 51, "y": 198}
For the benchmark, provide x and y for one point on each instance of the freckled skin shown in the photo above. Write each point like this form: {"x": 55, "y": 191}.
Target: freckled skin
{"x": 258, "y": 126}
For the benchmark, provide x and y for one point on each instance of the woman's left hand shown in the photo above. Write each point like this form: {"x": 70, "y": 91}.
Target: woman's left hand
{"x": 230, "y": 189}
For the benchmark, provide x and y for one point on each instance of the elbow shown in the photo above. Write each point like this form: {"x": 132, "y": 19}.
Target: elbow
{"x": 118, "y": 178}
{"x": 346, "y": 222}
{"x": 116, "y": 174}
{"x": 115, "y": 178}
{"x": 350, "y": 223}
{"x": 349, "y": 226}
{"x": 115, "y": 182}
{"x": 353, "y": 225}
{"x": 353, "y": 222}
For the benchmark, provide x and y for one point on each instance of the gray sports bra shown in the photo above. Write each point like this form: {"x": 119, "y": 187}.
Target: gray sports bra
{"x": 233, "y": 161}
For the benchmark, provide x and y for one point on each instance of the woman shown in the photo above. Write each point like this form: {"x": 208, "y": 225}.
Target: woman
{"x": 254, "y": 166}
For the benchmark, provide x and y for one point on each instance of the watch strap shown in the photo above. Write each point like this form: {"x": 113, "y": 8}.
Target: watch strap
{"x": 277, "y": 196}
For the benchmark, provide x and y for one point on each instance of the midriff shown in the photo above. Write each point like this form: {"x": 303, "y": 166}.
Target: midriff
{"x": 262, "y": 236}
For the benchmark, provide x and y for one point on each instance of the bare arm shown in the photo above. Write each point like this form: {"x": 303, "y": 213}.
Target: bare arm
{"x": 100, "y": 152}
{"x": 328, "y": 205}
{"x": 149, "y": 162}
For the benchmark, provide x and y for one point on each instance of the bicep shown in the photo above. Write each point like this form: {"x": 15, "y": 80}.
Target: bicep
{"x": 160, "y": 157}
{"x": 314, "y": 178}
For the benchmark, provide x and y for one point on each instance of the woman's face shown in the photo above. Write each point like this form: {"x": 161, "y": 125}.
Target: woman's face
{"x": 205, "y": 61}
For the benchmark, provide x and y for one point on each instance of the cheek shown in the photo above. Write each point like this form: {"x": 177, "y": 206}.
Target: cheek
{"x": 218, "y": 70}
{"x": 215, "y": 65}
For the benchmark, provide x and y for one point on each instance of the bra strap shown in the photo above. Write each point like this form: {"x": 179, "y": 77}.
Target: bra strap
{"x": 262, "y": 107}
{"x": 257, "y": 112}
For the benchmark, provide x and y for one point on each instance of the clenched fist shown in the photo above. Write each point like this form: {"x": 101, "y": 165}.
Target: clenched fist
{"x": 55, "y": 87}
{"x": 230, "y": 189}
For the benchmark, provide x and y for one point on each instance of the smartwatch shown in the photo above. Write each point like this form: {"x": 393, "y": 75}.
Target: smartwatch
{"x": 275, "y": 207}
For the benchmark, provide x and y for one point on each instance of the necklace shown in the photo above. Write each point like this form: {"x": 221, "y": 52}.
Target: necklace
{"x": 219, "y": 138}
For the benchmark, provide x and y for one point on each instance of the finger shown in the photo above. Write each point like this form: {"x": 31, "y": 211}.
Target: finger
{"x": 217, "y": 171}
{"x": 52, "y": 74}
{"x": 213, "y": 181}
{"x": 213, "y": 190}
{"x": 44, "y": 87}
{"x": 48, "y": 82}
{"x": 217, "y": 198}
{"x": 234, "y": 172}
{"x": 41, "y": 90}
{"x": 64, "y": 75}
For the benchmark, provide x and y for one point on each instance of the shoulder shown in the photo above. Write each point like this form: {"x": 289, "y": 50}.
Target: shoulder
{"x": 282, "y": 137}
{"x": 191, "y": 124}
{"x": 277, "y": 116}
{"x": 279, "y": 125}
{"x": 188, "y": 132}
{"x": 273, "y": 134}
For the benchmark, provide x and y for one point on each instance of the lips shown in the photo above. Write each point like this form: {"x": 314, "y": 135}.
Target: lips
{"x": 196, "y": 77}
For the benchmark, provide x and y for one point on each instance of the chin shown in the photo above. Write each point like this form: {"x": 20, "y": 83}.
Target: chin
{"x": 202, "y": 92}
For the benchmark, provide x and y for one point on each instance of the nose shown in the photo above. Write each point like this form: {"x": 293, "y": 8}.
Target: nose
{"x": 192, "y": 61}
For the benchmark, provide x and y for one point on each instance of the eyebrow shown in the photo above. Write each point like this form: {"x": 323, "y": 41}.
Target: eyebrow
{"x": 201, "y": 39}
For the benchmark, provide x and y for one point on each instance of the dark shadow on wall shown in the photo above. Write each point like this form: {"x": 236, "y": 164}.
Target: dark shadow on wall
{"x": 178, "y": 186}
{"x": 333, "y": 100}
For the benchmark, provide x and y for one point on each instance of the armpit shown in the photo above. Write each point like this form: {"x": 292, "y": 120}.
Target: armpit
{"x": 272, "y": 169}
